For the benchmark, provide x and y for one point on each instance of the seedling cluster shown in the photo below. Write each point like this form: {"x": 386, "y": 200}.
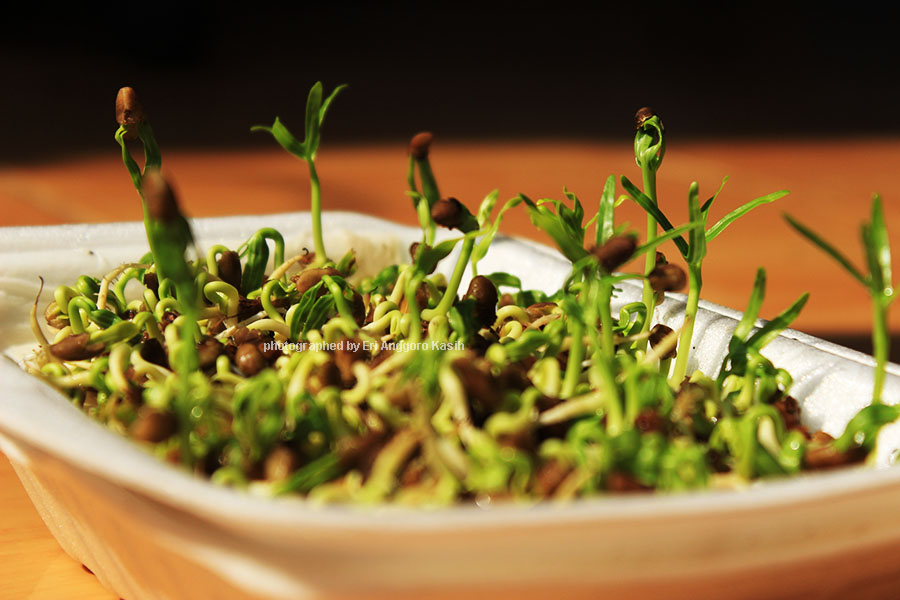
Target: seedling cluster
{"x": 303, "y": 378}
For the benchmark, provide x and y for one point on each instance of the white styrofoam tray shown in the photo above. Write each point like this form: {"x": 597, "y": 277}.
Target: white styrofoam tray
{"x": 149, "y": 530}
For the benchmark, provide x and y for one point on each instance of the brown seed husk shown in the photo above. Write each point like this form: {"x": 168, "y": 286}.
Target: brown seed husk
{"x": 484, "y": 292}
{"x": 153, "y": 425}
{"x": 76, "y": 347}
{"x": 129, "y": 110}
{"x": 540, "y": 309}
{"x": 54, "y": 317}
{"x": 249, "y": 359}
{"x": 420, "y": 144}
{"x": 229, "y": 264}
{"x": 208, "y": 351}
{"x": 448, "y": 213}
{"x": 658, "y": 333}
{"x": 641, "y": 116}
{"x": 310, "y": 277}
{"x": 615, "y": 252}
{"x": 159, "y": 196}
{"x": 667, "y": 278}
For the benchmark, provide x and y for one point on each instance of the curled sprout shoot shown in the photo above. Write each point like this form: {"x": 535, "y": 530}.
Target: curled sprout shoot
{"x": 649, "y": 150}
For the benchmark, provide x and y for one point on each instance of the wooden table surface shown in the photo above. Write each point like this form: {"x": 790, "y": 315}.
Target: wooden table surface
{"x": 831, "y": 183}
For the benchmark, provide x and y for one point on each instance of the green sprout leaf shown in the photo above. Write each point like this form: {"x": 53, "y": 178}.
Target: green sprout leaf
{"x": 564, "y": 226}
{"x": 741, "y": 348}
{"x": 606, "y": 217}
{"x": 650, "y": 207}
{"x": 382, "y": 283}
{"x": 753, "y": 305}
{"x": 862, "y": 430}
{"x": 462, "y": 321}
{"x": 876, "y": 245}
{"x": 697, "y": 238}
{"x": 709, "y": 202}
{"x": 878, "y": 251}
{"x": 827, "y": 248}
{"x": 481, "y": 248}
{"x": 430, "y": 257}
{"x": 315, "y": 116}
{"x": 573, "y": 217}
{"x": 487, "y": 206}
{"x": 773, "y": 328}
{"x": 310, "y": 312}
{"x": 739, "y": 212}
{"x": 315, "y": 473}
{"x": 284, "y": 137}
{"x": 505, "y": 279}
{"x": 672, "y": 234}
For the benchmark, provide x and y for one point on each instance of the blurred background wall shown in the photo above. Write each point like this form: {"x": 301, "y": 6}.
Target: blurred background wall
{"x": 507, "y": 70}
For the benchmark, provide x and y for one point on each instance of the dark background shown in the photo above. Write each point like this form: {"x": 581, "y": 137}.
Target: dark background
{"x": 505, "y": 71}
{"x": 511, "y": 70}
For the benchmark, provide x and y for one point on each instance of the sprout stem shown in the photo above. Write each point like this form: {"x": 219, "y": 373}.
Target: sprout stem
{"x": 602, "y": 366}
{"x": 606, "y": 326}
{"x": 415, "y": 326}
{"x": 316, "y": 210}
{"x": 449, "y": 296}
{"x": 411, "y": 177}
{"x": 687, "y": 330}
{"x": 573, "y": 364}
{"x": 880, "y": 345}
{"x": 649, "y": 296}
{"x": 338, "y": 294}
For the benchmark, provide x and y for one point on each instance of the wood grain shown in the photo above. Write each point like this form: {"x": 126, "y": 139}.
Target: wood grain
{"x": 34, "y": 566}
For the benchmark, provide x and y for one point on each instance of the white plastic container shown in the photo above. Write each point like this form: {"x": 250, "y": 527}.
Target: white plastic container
{"x": 150, "y": 531}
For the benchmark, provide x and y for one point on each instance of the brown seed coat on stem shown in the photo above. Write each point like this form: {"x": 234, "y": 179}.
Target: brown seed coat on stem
{"x": 448, "y": 213}
{"x": 129, "y": 110}
{"x": 420, "y": 144}
{"x": 229, "y": 264}
{"x": 160, "y": 199}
